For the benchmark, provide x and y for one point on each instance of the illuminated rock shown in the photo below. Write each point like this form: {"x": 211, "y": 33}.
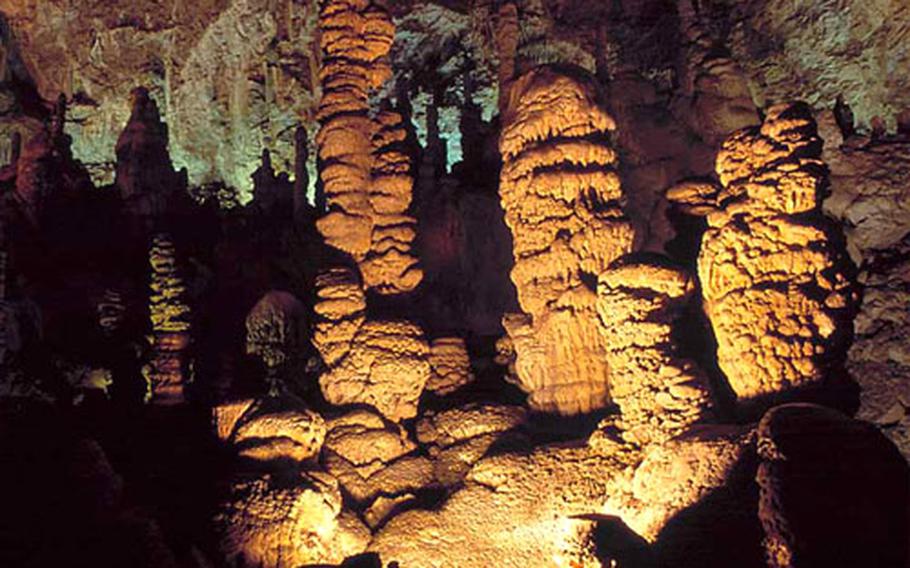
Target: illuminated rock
{"x": 659, "y": 394}
{"x": 450, "y": 365}
{"x": 340, "y": 311}
{"x": 170, "y": 318}
{"x": 772, "y": 275}
{"x": 270, "y": 429}
{"x": 226, "y": 416}
{"x": 371, "y": 456}
{"x": 456, "y": 439}
{"x": 276, "y": 328}
{"x": 676, "y": 475}
{"x": 288, "y": 521}
{"x": 809, "y": 453}
{"x": 391, "y": 265}
{"x": 366, "y": 176}
{"x": 383, "y": 363}
{"x": 713, "y": 82}
{"x": 562, "y": 199}
{"x": 367, "y": 440}
{"x": 513, "y": 511}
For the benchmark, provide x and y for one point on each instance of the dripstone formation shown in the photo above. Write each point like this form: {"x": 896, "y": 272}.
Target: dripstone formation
{"x": 660, "y": 394}
{"x": 562, "y": 199}
{"x": 770, "y": 268}
{"x": 562, "y": 291}
{"x": 366, "y": 176}
{"x": 170, "y": 318}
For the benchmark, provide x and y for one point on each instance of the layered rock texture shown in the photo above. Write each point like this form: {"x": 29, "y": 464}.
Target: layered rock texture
{"x": 562, "y": 200}
{"x": 276, "y": 328}
{"x": 772, "y": 270}
{"x": 659, "y": 394}
{"x": 365, "y": 173}
{"x": 521, "y": 283}
{"x": 170, "y": 317}
{"x": 383, "y": 363}
{"x": 281, "y": 521}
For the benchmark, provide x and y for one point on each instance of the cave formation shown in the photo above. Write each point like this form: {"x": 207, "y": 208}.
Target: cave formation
{"x": 382, "y": 283}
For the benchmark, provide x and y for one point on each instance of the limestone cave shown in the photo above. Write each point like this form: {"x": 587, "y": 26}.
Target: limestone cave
{"x": 455, "y": 283}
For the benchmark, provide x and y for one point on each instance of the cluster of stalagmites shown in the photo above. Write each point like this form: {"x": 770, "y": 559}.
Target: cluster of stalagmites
{"x": 598, "y": 325}
{"x": 562, "y": 199}
{"x": 772, "y": 278}
{"x": 366, "y": 172}
{"x": 170, "y": 318}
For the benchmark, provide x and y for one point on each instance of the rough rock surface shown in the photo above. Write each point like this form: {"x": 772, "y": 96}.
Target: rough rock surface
{"x": 170, "y": 317}
{"x": 391, "y": 265}
{"x": 144, "y": 175}
{"x": 675, "y": 475}
{"x": 818, "y": 51}
{"x": 712, "y": 80}
{"x": 513, "y": 511}
{"x": 870, "y": 181}
{"x": 658, "y": 393}
{"x": 230, "y": 77}
{"x": 366, "y": 175}
{"x": 810, "y": 453}
{"x": 375, "y": 462}
{"x": 562, "y": 200}
{"x": 772, "y": 270}
{"x": 383, "y": 363}
{"x": 450, "y": 365}
{"x": 456, "y": 439}
{"x": 276, "y": 327}
{"x": 270, "y": 430}
{"x": 287, "y": 521}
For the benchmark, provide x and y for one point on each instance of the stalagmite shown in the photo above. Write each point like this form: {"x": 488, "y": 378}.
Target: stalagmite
{"x": 383, "y": 363}
{"x": 773, "y": 277}
{"x": 145, "y": 176}
{"x": 391, "y": 266}
{"x": 451, "y": 365}
{"x": 111, "y": 312}
{"x": 658, "y": 393}
{"x": 367, "y": 179}
{"x": 562, "y": 199}
{"x": 170, "y": 317}
{"x": 276, "y": 329}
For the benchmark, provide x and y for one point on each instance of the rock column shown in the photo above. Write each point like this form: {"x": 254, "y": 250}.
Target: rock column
{"x": 562, "y": 199}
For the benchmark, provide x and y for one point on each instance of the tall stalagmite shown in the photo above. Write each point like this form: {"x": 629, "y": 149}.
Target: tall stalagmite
{"x": 563, "y": 203}
{"x": 367, "y": 179}
{"x": 772, "y": 272}
{"x": 383, "y": 363}
{"x": 170, "y": 316}
{"x": 658, "y": 393}
{"x": 145, "y": 176}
